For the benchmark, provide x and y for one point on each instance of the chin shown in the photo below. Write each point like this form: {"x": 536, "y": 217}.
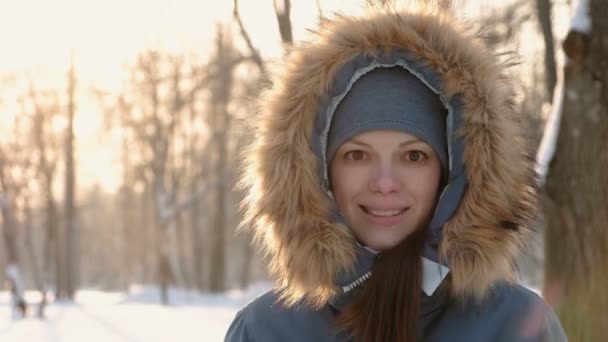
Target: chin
{"x": 381, "y": 243}
{"x": 381, "y": 246}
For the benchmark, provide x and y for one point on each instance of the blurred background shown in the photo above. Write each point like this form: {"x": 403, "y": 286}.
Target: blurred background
{"x": 120, "y": 128}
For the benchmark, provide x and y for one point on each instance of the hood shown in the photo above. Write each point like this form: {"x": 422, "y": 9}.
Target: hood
{"x": 484, "y": 212}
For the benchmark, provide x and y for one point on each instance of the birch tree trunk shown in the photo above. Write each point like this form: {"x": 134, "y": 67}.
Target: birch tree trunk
{"x": 577, "y": 187}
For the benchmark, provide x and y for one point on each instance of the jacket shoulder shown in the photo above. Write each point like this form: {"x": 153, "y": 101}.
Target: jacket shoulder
{"x": 267, "y": 319}
{"x": 246, "y": 322}
{"x": 525, "y": 313}
{"x": 509, "y": 313}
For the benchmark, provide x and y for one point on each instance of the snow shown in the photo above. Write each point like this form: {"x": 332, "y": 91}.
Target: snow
{"x": 581, "y": 21}
{"x": 134, "y": 317}
{"x": 546, "y": 149}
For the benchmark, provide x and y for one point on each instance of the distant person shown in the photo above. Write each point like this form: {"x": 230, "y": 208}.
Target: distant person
{"x": 390, "y": 187}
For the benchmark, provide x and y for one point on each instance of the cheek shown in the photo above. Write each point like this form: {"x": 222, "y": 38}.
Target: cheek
{"x": 345, "y": 185}
{"x": 426, "y": 188}
{"x": 341, "y": 190}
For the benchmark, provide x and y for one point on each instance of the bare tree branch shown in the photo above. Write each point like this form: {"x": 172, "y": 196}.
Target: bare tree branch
{"x": 379, "y": 3}
{"x": 255, "y": 55}
{"x": 319, "y": 10}
{"x": 283, "y": 12}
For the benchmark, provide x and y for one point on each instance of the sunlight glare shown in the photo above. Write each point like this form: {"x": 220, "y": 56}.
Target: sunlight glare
{"x": 36, "y": 38}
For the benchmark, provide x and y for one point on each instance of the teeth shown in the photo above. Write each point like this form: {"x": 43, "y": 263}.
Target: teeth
{"x": 384, "y": 212}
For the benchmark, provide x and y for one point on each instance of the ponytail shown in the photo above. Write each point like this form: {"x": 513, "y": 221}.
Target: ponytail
{"x": 388, "y": 307}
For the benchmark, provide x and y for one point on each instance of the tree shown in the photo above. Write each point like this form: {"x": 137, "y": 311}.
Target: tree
{"x": 71, "y": 256}
{"x": 154, "y": 130}
{"x": 543, "y": 11}
{"x": 153, "y": 113}
{"x": 18, "y": 170}
{"x": 224, "y": 63}
{"x": 31, "y": 251}
{"x": 42, "y": 110}
{"x": 577, "y": 183}
{"x": 283, "y": 13}
{"x": 9, "y": 189}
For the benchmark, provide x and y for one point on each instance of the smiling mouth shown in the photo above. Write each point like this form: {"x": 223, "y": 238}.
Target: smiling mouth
{"x": 383, "y": 212}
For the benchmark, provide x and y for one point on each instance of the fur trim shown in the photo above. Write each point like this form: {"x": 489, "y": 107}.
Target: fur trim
{"x": 286, "y": 207}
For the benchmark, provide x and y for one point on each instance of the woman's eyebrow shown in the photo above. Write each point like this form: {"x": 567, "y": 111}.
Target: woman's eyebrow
{"x": 358, "y": 142}
{"x": 411, "y": 141}
{"x": 405, "y": 143}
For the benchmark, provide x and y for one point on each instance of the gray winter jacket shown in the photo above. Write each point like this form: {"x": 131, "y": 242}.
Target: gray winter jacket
{"x": 483, "y": 215}
{"x": 510, "y": 313}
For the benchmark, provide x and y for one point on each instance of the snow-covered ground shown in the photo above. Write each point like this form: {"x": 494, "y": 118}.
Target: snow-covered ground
{"x": 136, "y": 317}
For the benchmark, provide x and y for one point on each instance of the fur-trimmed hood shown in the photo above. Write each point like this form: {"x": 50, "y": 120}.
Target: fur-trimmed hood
{"x": 484, "y": 212}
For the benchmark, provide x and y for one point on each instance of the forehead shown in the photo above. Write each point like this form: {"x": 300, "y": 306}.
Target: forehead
{"x": 383, "y": 138}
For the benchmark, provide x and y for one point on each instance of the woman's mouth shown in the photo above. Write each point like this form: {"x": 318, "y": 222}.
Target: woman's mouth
{"x": 383, "y": 212}
{"x": 384, "y": 216}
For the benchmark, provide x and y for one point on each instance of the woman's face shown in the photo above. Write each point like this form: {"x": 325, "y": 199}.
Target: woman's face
{"x": 385, "y": 183}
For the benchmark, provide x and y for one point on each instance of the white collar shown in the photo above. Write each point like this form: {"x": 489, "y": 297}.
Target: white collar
{"x": 432, "y": 275}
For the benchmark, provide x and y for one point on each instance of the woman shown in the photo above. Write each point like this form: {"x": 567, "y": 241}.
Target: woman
{"x": 389, "y": 186}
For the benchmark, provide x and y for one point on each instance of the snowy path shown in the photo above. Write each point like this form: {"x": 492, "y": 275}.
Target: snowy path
{"x": 102, "y": 316}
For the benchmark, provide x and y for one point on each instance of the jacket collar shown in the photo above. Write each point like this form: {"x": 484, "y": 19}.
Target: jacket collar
{"x": 433, "y": 275}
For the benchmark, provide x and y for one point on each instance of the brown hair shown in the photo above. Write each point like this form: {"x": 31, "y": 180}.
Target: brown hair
{"x": 387, "y": 308}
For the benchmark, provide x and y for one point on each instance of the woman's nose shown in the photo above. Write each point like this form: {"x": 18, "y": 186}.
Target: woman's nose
{"x": 384, "y": 180}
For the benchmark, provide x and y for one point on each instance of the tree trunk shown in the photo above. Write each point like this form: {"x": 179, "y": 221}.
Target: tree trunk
{"x": 543, "y": 10}
{"x": 165, "y": 274}
{"x": 149, "y": 230}
{"x": 577, "y": 188}
{"x": 182, "y": 252}
{"x": 57, "y": 248}
{"x": 220, "y": 125}
{"x": 13, "y": 273}
{"x": 71, "y": 256}
{"x": 218, "y": 263}
{"x": 35, "y": 267}
{"x": 127, "y": 221}
{"x": 196, "y": 245}
{"x": 53, "y": 244}
{"x": 9, "y": 230}
{"x": 53, "y": 255}
{"x": 129, "y": 236}
{"x": 282, "y": 9}
{"x": 175, "y": 252}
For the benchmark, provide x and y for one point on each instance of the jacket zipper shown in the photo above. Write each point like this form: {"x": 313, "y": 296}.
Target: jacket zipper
{"x": 357, "y": 282}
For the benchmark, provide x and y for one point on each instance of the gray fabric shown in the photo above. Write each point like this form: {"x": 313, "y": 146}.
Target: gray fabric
{"x": 390, "y": 99}
{"x": 511, "y": 313}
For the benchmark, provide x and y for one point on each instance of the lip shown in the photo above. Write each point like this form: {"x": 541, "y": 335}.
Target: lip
{"x": 386, "y": 221}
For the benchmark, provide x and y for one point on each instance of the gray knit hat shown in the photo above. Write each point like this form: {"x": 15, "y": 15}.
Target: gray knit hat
{"x": 390, "y": 99}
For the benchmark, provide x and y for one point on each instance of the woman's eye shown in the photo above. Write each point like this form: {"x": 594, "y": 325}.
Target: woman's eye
{"x": 355, "y": 155}
{"x": 415, "y": 156}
